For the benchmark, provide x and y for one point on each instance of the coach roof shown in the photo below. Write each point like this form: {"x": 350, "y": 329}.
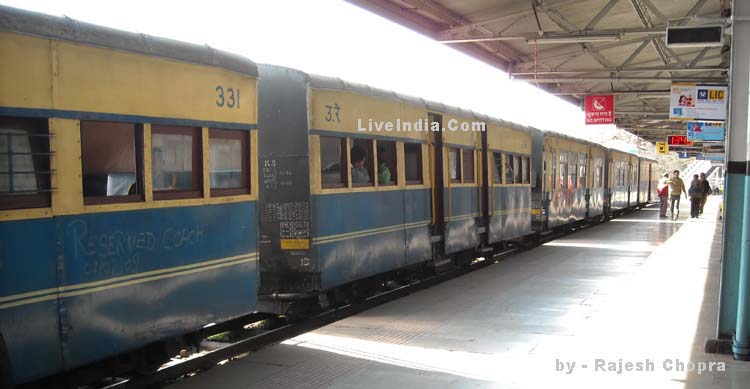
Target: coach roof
{"x": 64, "y": 28}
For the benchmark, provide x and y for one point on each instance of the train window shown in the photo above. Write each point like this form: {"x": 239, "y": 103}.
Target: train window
{"x": 517, "y": 169}
{"x": 332, "y": 158}
{"x": 413, "y": 161}
{"x": 229, "y": 162}
{"x": 468, "y": 172}
{"x": 387, "y": 166}
{"x": 111, "y": 159}
{"x": 618, "y": 175}
{"x": 573, "y": 178}
{"x": 454, "y": 160}
{"x": 582, "y": 161}
{"x": 497, "y": 171}
{"x": 362, "y": 163}
{"x": 508, "y": 169}
{"x": 24, "y": 163}
{"x": 525, "y": 174}
{"x": 176, "y": 162}
{"x": 563, "y": 180}
{"x": 553, "y": 175}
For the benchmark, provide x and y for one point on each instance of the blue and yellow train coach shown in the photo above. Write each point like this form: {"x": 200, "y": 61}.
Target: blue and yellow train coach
{"x": 339, "y": 203}
{"x": 128, "y": 191}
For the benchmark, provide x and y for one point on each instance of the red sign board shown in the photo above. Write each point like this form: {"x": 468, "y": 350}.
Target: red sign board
{"x": 600, "y": 109}
{"x": 679, "y": 140}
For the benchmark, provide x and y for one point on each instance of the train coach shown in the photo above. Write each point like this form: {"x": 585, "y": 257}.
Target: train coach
{"x": 128, "y": 189}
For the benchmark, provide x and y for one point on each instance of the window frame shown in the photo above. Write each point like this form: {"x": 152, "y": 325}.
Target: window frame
{"x": 420, "y": 165}
{"x": 554, "y": 162}
{"x": 197, "y": 163}
{"x": 563, "y": 173}
{"x": 472, "y": 155}
{"x": 36, "y": 128}
{"x": 371, "y": 171}
{"x": 344, "y": 164}
{"x": 140, "y": 196}
{"x": 459, "y": 165}
{"x": 526, "y": 178}
{"x": 394, "y": 171}
{"x": 517, "y": 168}
{"x": 583, "y": 160}
{"x": 573, "y": 170}
{"x": 495, "y": 156}
{"x": 244, "y": 137}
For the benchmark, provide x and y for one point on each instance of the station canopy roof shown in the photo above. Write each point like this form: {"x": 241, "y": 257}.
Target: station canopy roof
{"x": 572, "y": 48}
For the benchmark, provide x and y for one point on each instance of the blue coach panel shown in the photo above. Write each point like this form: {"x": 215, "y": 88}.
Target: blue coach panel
{"x": 132, "y": 277}
{"x": 358, "y": 235}
{"x": 28, "y": 306}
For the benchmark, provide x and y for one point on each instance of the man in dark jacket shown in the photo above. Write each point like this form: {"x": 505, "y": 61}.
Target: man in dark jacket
{"x": 706, "y": 191}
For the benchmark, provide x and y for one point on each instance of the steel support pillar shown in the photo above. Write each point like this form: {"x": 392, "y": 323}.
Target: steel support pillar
{"x": 734, "y": 310}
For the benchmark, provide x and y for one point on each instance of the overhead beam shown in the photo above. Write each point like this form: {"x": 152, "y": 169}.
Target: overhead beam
{"x": 451, "y": 19}
{"x": 601, "y": 14}
{"x": 446, "y": 34}
{"x": 615, "y": 34}
{"x": 556, "y": 80}
{"x": 624, "y": 70}
{"x": 649, "y": 93}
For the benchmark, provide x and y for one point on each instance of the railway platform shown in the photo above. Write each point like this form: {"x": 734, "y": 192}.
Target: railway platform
{"x": 628, "y": 302}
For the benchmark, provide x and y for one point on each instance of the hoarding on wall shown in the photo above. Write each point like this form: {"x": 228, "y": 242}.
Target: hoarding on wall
{"x": 710, "y": 157}
{"x": 698, "y": 102}
{"x": 705, "y": 131}
{"x": 600, "y": 109}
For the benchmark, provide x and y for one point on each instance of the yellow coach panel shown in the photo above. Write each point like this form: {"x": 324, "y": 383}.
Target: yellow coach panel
{"x": 349, "y": 112}
{"x": 508, "y": 139}
{"x": 453, "y": 133}
{"x": 25, "y": 77}
{"x": 51, "y": 74}
{"x": 106, "y": 80}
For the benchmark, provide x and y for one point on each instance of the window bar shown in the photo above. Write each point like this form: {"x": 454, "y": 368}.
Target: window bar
{"x": 9, "y": 142}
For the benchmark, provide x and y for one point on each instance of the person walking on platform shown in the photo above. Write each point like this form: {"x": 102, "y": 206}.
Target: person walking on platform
{"x": 696, "y": 195}
{"x": 676, "y": 189}
{"x": 706, "y": 191}
{"x": 663, "y": 195}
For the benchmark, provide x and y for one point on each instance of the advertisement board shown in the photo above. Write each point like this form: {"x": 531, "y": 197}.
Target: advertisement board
{"x": 697, "y": 102}
{"x": 705, "y": 131}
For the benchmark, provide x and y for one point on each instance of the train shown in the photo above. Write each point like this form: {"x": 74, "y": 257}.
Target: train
{"x": 150, "y": 188}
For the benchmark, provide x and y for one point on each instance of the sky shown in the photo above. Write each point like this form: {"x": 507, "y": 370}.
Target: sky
{"x": 335, "y": 38}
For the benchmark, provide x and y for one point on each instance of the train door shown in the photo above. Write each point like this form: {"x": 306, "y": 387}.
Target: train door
{"x": 650, "y": 181}
{"x": 438, "y": 185}
{"x": 484, "y": 200}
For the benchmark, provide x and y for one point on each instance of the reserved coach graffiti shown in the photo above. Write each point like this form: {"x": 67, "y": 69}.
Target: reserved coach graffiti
{"x": 114, "y": 253}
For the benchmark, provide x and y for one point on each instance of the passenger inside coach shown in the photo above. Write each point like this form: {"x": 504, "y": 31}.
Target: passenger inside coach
{"x": 384, "y": 172}
{"x": 359, "y": 172}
